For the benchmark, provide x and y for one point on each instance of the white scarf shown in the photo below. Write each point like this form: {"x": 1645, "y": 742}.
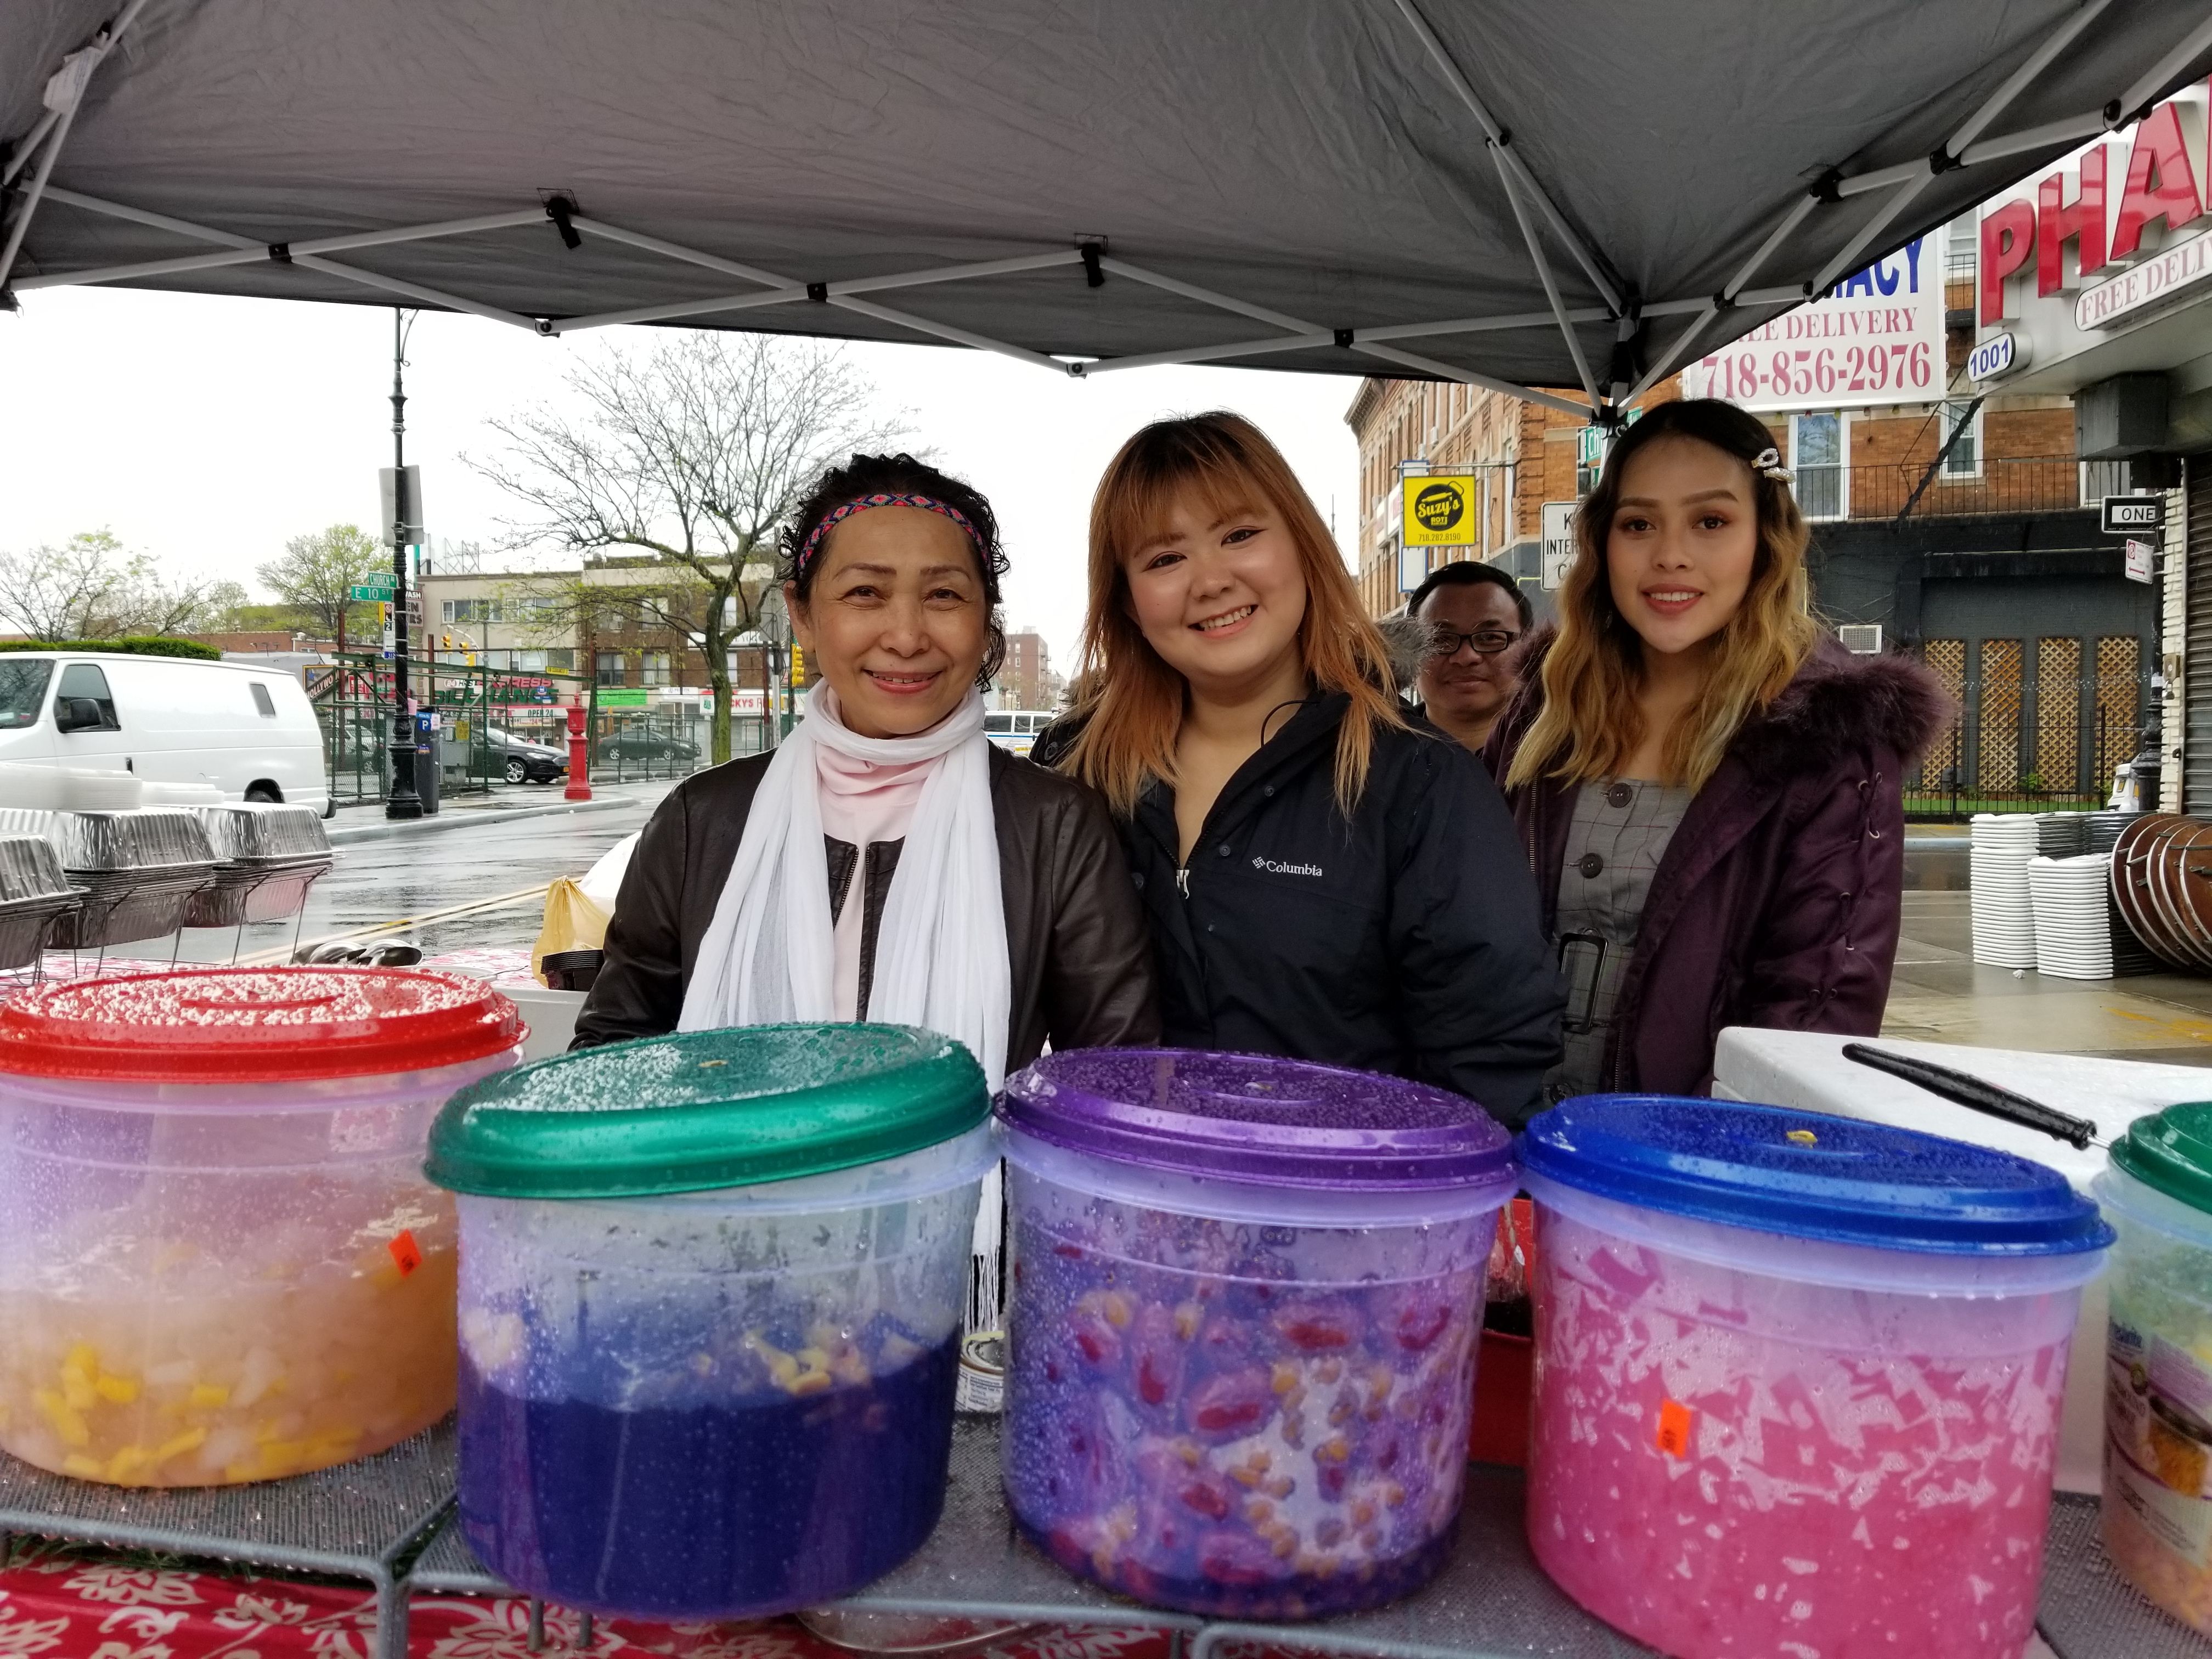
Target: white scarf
{"x": 940, "y": 959}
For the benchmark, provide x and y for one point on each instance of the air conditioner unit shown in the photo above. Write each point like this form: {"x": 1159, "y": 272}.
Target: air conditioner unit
{"x": 1861, "y": 639}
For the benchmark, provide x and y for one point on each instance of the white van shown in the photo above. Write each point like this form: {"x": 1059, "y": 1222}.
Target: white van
{"x": 1016, "y": 729}
{"x": 248, "y": 731}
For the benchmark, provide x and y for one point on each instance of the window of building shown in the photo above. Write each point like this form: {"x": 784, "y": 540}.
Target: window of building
{"x": 2102, "y": 478}
{"x": 530, "y": 662}
{"x": 559, "y": 662}
{"x": 1963, "y": 458}
{"x": 611, "y": 668}
{"x": 653, "y": 667}
{"x": 1816, "y": 448}
{"x": 495, "y": 659}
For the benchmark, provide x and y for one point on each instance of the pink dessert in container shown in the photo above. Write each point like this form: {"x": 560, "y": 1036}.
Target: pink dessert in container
{"x": 1242, "y": 1337}
{"x": 1797, "y": 1378}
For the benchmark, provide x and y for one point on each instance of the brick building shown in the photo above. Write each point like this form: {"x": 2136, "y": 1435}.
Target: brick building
{"x": 1026, "y": 680}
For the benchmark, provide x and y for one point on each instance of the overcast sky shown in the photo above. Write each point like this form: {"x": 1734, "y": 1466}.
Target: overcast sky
{"x": 206, "y": 431}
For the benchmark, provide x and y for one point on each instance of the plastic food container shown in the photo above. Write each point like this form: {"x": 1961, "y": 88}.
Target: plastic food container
{"x": 1245, "y": 1297}
{"x": 711, "y": 1288}
{"x": 2157, "y": 1512}
{"x": 1797, "y": 1378}
{"x": 219, "y": 1260}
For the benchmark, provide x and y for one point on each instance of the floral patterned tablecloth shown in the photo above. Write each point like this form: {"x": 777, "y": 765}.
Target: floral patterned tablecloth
{"x": 75, "y": 1601}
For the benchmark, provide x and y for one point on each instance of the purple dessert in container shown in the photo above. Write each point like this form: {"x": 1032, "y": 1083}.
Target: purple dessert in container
{"x": 1245, "y": 1298}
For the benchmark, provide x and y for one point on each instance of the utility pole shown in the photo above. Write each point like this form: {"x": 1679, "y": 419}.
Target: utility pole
{"x": 405, "y": 802}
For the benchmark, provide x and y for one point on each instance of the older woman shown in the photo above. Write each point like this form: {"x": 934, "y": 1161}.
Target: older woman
{"x": 886, "y": 861}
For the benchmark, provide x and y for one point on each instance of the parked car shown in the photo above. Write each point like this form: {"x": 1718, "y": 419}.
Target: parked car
{"x": 1016, "y": 729}
{"x": 518, "y": 760}
{"x": 248, "y": 731}
{"x": 648, "y": 745}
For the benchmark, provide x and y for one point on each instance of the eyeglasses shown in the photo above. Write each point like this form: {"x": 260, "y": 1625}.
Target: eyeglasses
{"x": 1483, "y": 641}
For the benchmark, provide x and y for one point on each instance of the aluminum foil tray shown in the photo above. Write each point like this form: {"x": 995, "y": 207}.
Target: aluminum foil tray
{"x": 147, "y": 838}
{"x": 26, "y": 925}
{"x": 248, "y": 890}
{"x": 29, "y": 869}
{"x": 124, "y": 905}
{"x": 255, "y": 829}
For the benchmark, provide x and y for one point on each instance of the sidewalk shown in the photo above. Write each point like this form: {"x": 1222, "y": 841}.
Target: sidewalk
{"x": 1940, "y": 995}
{"x": 367, "y": 823}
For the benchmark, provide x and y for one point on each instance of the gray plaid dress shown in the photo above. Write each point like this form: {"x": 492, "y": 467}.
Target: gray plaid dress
{"x": 1620, "y": 830}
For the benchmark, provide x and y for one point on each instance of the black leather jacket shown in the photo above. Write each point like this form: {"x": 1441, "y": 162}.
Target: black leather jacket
{"x": 1076, "y": 942}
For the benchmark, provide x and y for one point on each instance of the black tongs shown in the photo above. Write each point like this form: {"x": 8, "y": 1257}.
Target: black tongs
{"x": 1966, "y": 1089}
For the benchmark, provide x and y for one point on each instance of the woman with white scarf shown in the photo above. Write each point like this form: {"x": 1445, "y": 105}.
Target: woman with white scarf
{"x": 886, "y": 861}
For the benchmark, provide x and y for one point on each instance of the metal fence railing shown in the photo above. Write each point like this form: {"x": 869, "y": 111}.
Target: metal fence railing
{"x": 1995, "y": 487}
{"x": 496, "y": 728}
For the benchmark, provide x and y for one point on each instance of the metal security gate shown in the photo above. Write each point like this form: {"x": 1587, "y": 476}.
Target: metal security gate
{"x": 2197, "y": 670}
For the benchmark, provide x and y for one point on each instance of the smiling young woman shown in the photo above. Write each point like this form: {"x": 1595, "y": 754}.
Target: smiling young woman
{"x": 886, "y": 861}
{"x": 1322, "y": 881}
{"x": 1709, "y": 788}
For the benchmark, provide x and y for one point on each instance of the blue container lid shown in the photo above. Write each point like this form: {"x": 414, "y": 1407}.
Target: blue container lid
{"x": 1809, "y": 1174}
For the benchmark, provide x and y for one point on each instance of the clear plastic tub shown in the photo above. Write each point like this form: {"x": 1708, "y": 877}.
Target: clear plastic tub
{"x": 726, "y": 1403}
{"x": 1750, "y": 1441}
{"x": 1244, "y": 1393}
{"x": 2157, "y": 1513}
{"x": 207, "y": 1279}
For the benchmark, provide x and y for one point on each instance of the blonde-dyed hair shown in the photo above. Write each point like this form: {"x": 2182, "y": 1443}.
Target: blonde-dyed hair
{"x": 1590, "y": 723}
{"x": 1133, "y": 713}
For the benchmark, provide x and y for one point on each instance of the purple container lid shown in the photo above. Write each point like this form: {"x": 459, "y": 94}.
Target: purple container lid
{"x": 1258, "y": 1118}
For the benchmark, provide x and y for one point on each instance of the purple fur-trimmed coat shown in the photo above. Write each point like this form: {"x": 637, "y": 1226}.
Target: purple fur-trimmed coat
{"x": 1776, "y": 902}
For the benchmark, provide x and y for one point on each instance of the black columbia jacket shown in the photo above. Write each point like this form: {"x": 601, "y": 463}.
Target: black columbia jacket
{"x": 1406, "y": 941}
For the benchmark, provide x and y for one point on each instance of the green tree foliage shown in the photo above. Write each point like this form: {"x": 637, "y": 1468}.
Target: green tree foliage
{"x": 315, "y": 574}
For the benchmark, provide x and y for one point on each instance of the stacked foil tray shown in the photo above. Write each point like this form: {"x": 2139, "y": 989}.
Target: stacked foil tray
{"x": 267, "y": 858}
{"x": 139, "y": 870}
{"x": 33, "y": 895}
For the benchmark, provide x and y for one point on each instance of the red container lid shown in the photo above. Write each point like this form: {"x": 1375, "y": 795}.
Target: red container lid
{"x": 254, "y": 1025}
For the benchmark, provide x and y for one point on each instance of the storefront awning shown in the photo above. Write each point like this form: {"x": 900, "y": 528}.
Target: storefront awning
{"x": 1514, "y": 193}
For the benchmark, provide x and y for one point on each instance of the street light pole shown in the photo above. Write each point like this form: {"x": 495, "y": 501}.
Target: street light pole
{"x": 405, "y": 802}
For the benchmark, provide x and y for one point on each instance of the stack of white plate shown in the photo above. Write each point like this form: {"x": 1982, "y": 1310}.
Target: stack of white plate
{"x": 2004, "y": 918}
{"x": 2073, "y": 925}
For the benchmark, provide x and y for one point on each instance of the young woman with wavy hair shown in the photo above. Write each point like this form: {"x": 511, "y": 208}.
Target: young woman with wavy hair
{"x": 1709, "y": 787}
{"x": 1322, "y": 881}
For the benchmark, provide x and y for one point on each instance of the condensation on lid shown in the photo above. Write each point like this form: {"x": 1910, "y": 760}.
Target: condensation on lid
{"x": 1257, "y": 1118}
{"x": 1810, "y": 1175}
{"x": 254, "y": 1025}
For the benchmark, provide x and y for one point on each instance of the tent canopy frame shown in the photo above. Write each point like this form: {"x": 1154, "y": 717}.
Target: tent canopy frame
{"x": 1533, "y": 209}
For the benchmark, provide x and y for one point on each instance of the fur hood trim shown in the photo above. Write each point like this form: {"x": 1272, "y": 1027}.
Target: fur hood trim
{"x": 1838, "y": 704}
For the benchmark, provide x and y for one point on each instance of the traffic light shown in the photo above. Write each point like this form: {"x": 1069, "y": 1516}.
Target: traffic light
{"x": 448, "y": 639}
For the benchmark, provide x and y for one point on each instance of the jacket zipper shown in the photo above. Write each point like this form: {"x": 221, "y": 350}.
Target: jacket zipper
{"x": 1182, "y": 880}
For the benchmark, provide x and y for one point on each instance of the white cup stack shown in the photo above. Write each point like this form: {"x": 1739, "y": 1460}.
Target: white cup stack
{"x": 2073, "y": 925}
{"x": 2004, "y": 912}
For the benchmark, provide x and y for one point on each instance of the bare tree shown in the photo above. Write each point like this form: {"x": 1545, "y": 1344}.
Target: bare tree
{"x": 692, "y": 452}
{"x": 91, "y": 588}
{"x": 315, "y": 575}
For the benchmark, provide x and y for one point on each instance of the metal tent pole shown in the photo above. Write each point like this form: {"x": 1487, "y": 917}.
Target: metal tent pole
{"x": 405, "y": 802}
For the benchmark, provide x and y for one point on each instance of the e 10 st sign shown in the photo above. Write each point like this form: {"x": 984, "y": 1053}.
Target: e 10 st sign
{"x": 1875, "y": 337}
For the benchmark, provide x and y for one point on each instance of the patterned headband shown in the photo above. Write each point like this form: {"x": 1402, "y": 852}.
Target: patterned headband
{"x": 862, "y": 503}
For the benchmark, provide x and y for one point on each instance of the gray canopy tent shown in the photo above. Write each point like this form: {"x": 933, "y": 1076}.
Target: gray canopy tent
{"x": 1517, "y": 194}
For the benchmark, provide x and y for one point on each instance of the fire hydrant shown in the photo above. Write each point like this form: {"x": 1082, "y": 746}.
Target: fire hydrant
{"x": 580, "y": 765}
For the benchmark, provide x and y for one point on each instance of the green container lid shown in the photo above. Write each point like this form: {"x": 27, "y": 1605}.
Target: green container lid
{"x": 2171, "y": 1152}
{"x": 704, "y": 1110}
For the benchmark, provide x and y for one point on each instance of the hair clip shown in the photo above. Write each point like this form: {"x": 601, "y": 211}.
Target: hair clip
{"x": 1769, "y": 462}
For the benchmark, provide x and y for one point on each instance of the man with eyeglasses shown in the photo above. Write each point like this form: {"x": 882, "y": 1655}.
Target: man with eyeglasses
{"x": 1475, "y": 613}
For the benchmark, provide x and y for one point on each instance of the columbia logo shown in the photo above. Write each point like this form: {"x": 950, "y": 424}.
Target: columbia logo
{"x": 1275, "y": 869}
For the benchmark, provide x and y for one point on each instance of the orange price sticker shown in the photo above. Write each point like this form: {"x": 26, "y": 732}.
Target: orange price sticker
{"x": 1674, "y": 1436}
{"x": 405, "y": 1252}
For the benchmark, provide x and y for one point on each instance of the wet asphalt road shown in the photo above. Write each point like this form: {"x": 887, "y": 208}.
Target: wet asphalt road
{"x": 419, "y": 872}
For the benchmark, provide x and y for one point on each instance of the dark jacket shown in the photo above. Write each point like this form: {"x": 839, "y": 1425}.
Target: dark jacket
{"x": 1404, "y": 940}
{"x": 1081, "y": 963}
{"x": 1776, "y": 902}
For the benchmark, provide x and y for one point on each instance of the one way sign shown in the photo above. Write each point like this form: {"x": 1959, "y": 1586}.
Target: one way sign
{"x": 2123, "y": 514}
